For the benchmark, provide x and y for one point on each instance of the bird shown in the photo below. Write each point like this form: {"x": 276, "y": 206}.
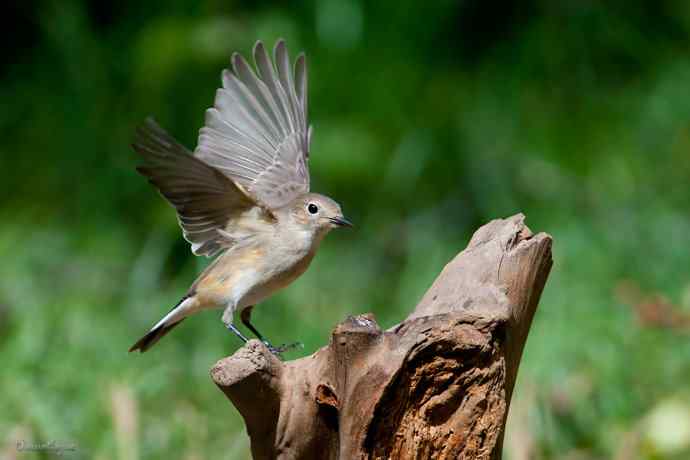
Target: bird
{"x": 243, "y": 195}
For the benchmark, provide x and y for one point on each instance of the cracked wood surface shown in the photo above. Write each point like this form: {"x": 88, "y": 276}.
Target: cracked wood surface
{"x": 438, "y": 385}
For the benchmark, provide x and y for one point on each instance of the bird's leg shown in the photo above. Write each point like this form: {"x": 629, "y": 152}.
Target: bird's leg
{"x": 228, "y": 321}
{"x": 246, "y": 315}
{"x": 237, "y": 332}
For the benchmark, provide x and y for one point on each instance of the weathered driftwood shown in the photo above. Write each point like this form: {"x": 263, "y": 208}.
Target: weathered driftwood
{"x": 438, "y": 385}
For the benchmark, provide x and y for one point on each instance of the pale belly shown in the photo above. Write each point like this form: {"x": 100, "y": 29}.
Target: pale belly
{"x": 274, "y": 278}
{"x": 246, "y": 277}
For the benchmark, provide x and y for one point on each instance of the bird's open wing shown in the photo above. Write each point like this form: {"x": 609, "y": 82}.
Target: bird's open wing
{"x": 207, "y": 202}
{"x": 257, "y": 133}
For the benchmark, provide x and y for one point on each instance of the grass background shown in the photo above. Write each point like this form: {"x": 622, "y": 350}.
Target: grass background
{"x": 430, "y": 118}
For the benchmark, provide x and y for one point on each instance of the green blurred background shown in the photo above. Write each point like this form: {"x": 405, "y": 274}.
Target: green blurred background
{"x": 430, "y": 118}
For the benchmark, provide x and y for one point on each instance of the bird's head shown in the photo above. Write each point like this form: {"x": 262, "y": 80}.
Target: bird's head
{"x": 317, "y": 213}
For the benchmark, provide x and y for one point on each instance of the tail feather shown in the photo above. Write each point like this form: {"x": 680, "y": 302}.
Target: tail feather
{"x": 173, "y": 318}
{"x": 153, "y": 336}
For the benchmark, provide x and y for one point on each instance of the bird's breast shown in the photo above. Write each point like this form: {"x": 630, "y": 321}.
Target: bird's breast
{"x": 284, "y": 262}
{"x": 247, "y": 275}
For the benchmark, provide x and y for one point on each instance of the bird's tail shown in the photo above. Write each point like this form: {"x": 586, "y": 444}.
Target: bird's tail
{"x": 169, "y": 321}
{"x": 153, "y": 336}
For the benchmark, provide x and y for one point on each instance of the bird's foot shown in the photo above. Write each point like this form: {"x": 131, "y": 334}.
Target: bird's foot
{"x": 282, "y": 348}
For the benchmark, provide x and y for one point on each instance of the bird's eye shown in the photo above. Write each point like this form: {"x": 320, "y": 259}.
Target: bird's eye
{"x": 312, "y": 208}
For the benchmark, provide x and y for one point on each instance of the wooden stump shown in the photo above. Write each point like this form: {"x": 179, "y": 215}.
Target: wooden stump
{"x": 438, "y": 385}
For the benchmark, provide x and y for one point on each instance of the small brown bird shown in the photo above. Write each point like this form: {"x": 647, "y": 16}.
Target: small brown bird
{"x": 244, "y": 191}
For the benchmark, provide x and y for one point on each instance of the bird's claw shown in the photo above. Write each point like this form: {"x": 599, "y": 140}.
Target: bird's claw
{"x": 282, "y": 348}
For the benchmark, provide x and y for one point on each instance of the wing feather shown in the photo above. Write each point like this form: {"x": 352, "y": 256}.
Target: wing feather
{"x": 261, "y": 94}
{"x": 206, "y": 200}
{"x": 282, "y": 59}
{"x": 268, "y": 75}
{"x": 301, "y": 89}
{"x": 257, "y": 133}
{"x": 234, "y": 111}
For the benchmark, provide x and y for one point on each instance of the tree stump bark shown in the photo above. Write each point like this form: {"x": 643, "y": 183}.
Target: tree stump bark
{"x": 438, "y": 385}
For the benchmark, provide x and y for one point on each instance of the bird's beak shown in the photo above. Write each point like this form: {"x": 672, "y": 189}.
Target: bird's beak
{"x": 340, "y": 221}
